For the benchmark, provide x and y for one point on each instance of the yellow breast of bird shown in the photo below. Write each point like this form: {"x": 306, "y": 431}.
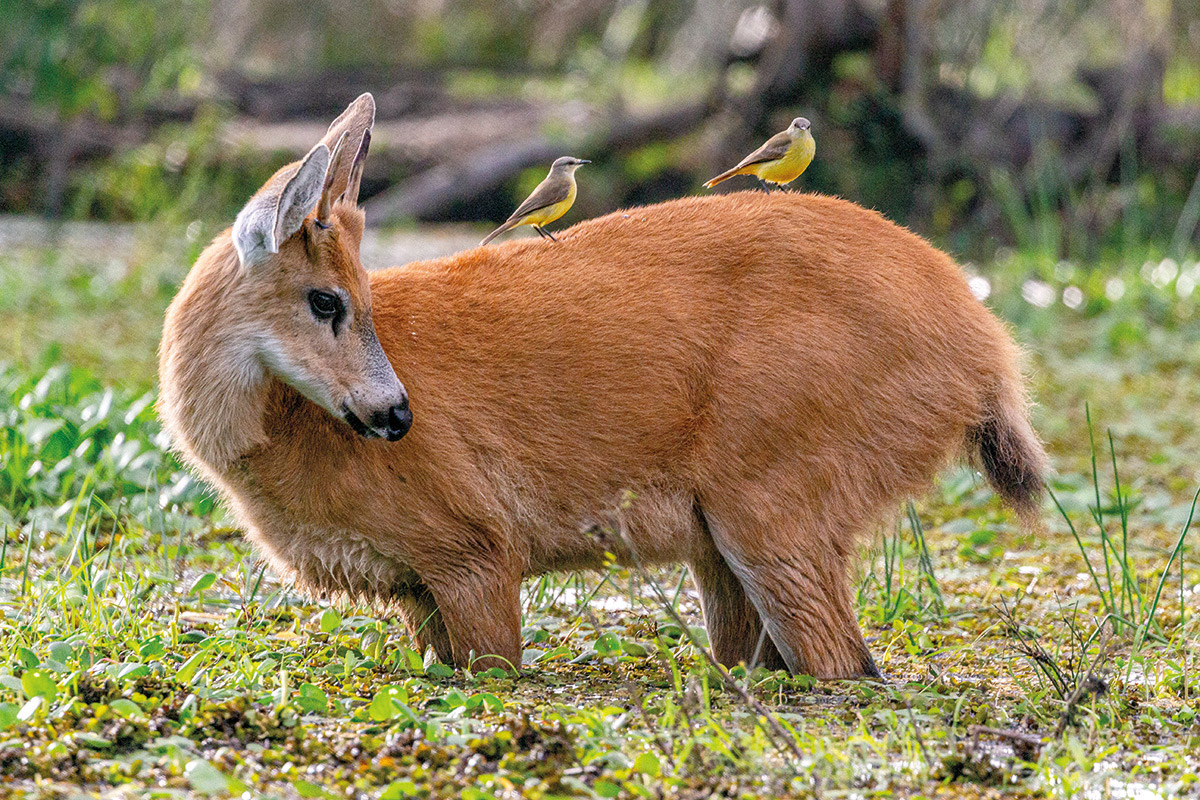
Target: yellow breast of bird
{"x": 552, "y": 212}
{"x": 788, "y": 168}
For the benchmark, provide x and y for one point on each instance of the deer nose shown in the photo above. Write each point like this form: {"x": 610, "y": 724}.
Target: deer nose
{"x": 396, "y": 421}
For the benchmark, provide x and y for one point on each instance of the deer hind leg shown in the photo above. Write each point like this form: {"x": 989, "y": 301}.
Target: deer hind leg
{"x": 734, "y": 627}
{"x": 798, "y": 583}
{"x": 735, "y": 630}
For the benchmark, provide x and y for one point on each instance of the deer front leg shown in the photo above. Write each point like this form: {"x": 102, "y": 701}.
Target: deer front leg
{"x": 421, "y": 615}
{"x": 480, "y": 606}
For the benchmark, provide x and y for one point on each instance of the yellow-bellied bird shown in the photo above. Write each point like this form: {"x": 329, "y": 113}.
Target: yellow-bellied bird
{"x": 550, "y": 200}
{"x": 780, "y": 160}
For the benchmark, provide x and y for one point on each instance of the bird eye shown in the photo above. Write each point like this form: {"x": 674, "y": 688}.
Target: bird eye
{"x": 325, "y": 305}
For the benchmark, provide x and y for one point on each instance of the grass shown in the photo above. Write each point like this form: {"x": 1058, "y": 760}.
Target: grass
{"x": 143, "y": 647}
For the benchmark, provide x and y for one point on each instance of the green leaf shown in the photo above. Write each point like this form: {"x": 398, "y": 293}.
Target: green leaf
{"x": 331, "y": 620}
{"x": 151, "y": 647}
{"x": 439, "y": 670}
{"x": 187, "y": 671}
{"x": 381, "y": 708}
{"x": 127, "y": 709}
{"x": 607, "y": 645}
{"x": 633, "y": 648}
{"x": 412, "y": 659}
{"x": 8, "y": 715}
{"x": 39, "y": 683}
{"x": 453, "y": 699}
{"x": 93, "y": 740}
{"x": 205, "y": 581}
{"x": 28, "y": 658}
{"x": 606, "y": 788}
{"x": 398, "y": 790}
{"x": 306, "y": 789}
{"x": 205, "y": 778}
{"x": 132, "y": 671}
{"x": 312, "y": 699}
{"x": 647, "y": 764}
{"x": 384, "y": 705}
{"x": 61, "y": 652}
{"x": 487, "y": 700}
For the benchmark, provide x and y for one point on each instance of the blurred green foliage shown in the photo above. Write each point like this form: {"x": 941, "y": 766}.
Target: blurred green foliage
{"x": 182, "y": 173}
{"x": 101, "y": 57}
{"x": 85, "y": 64}
{"x": 118, "y": 61}
{"x": 63, "y": 436}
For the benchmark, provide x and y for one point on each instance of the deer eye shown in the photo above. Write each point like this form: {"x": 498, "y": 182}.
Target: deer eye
{"x": 325, "y": 305}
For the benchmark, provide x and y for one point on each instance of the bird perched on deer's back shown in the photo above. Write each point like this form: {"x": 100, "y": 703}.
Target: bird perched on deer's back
{"x": 780, "y": 160}
{"x": 551, "y": 199}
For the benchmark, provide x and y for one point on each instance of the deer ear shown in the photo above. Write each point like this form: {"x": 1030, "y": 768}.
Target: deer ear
{"x": 300, "y": 195}
{"x": 351, "y": 125}
{"x": 325, "y": 206}
{"x": 279, "y": 208}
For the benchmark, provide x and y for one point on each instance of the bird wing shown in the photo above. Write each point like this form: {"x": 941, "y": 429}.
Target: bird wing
{"x": 773, "y": 149}
{"x": 547, "y": 193}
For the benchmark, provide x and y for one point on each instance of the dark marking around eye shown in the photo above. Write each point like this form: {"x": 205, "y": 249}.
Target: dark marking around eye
{"x": 327, "y": 307}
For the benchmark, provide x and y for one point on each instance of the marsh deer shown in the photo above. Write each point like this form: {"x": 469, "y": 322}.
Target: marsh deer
{"x": 767, "y": 376}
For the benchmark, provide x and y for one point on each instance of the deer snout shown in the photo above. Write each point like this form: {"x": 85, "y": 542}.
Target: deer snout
{"x": 394, "y": 422}
{"x": 387, "y": 420}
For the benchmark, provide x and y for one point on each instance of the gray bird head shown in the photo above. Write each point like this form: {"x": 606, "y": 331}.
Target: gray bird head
{"x": 567, "y": 164}
{"x": 799, "y": 125}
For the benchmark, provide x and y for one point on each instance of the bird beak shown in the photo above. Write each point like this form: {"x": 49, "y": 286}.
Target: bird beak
{"x": 584, "y": 161}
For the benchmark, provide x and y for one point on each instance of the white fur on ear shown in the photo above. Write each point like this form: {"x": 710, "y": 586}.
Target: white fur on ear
{"x": 274, "y": 214}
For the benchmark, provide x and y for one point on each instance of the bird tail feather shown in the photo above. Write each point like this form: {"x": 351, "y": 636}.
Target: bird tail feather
{"x": 507, "y": 226}
{"x": 724, "y": 176}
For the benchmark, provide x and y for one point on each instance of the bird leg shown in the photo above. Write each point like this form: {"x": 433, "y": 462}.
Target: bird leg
{"x": 764, "y": 186}
{"x": 541, "y": 234}
{"x": 545, "y": 233}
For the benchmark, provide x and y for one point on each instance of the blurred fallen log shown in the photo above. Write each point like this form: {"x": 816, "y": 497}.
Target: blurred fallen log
{"x": 398, "y": 92}
{"x": 398, "y": 146}
{"x": 469, "y": 174}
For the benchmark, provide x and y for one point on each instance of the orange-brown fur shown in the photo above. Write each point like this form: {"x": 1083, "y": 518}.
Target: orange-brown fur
{"x": 767, "y": 375}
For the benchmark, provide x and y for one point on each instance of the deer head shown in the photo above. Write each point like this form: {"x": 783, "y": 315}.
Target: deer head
{"x": 298, "y": 243}
{"x": 294, "y": 303}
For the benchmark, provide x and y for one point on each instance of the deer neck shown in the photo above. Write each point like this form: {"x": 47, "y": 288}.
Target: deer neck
{"x": 213, "y": 383}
